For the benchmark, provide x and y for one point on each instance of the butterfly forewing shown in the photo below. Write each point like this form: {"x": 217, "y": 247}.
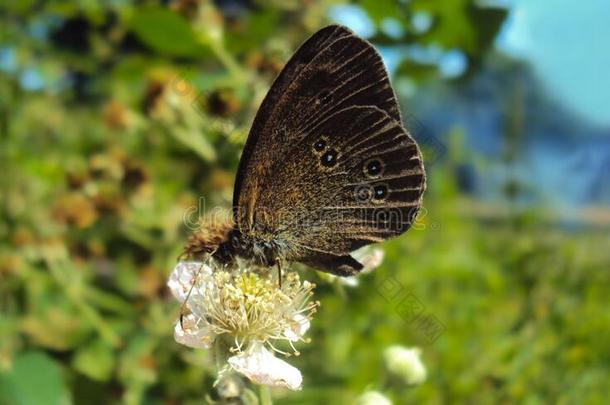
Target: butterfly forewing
{"x": 331, "y": 70}
{"x": 327, "y": 166}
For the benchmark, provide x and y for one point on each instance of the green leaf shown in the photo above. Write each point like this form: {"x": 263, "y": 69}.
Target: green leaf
{"x": 378, "y": 10}
{"x": 34, "y": 379}
{"x": 451, "y": 28}
{"x": 416, "y": 71}
{"x": 95, "y": 360}
{"x": 166, "y": 32}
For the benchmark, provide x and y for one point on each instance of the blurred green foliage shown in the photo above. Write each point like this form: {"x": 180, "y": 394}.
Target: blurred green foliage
{"x": 143, "y": 107}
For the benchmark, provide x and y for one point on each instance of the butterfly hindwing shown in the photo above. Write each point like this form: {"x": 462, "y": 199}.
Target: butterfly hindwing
{"x": 356, "y": 178}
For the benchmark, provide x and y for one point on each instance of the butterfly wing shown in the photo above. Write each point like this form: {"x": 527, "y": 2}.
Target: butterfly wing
{"x": 331, "y": 70}
{"x": 328, "y": 167}
{"x": 356, "y": 178}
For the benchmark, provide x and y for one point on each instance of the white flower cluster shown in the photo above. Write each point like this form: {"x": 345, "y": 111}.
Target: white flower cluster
{"x": 405, "y": 364}
{"x": 247, "y": 310}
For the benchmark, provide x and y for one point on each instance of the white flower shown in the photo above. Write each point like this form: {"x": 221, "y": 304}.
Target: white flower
{"x": 373, "y": 398}
{"x": 262, "y": 367}
{"x": 248, "y": 310}
{"x": 405, "y": 363}
{"x": 182, "y": 278}
{"x": 189, "y": 333}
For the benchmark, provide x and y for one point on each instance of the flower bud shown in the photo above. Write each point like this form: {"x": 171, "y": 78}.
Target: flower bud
{"x": 405, "y": 363}
{"x": 373, "y": 398}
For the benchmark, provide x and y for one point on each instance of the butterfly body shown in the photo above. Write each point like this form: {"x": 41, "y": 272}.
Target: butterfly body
{"x": 261, "y": 252}
{"x": 327, "y": 167}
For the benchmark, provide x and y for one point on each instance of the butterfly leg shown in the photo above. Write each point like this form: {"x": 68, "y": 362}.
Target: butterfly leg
{"x": 279, "y": 273}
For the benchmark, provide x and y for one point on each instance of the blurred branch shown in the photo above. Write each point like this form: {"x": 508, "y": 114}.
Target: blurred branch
{"x": 239, "y": 75}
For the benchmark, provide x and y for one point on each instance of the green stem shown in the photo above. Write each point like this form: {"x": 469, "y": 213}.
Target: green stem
{"x": 228, "y": 61}
{"x": 219, "y": 354}
{"x": 264, "y": 393}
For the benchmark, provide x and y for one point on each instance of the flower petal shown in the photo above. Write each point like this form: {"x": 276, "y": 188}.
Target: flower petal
{"x": 298, "y": 327}
{"x": 189, "y": 333}
{"x": 370, "y": 258}
{"x": 182, "y": 278}
{"x": 262, "y": 367}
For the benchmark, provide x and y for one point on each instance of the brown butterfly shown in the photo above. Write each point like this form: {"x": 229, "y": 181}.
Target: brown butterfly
{"x": 327, "y": 167}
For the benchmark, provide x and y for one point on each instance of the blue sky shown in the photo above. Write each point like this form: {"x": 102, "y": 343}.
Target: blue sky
{"x": 568, "y": 43}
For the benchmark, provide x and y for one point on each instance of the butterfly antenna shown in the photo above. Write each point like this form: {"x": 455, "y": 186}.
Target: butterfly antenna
{"x": 188, "y": 295}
